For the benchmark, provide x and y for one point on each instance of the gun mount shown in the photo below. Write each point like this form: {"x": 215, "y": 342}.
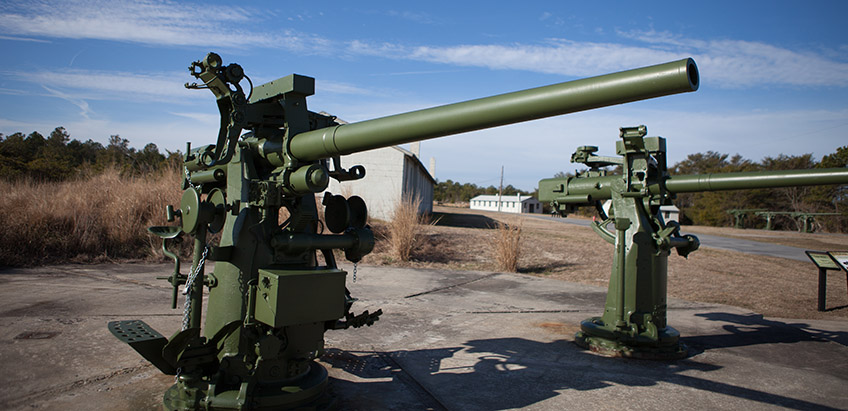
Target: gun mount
{"x": 740, "y": 215}
{"x": 269, "y": 300}
{"x": 806, "y": 221}
{"x": 634, "y": 320}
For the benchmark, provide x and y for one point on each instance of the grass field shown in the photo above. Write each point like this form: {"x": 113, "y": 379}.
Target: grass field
{"x": 462, "y": 239}
{"x": 104, "y": 218}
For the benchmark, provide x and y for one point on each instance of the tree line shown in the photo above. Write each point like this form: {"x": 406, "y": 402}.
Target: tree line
{"x": 57, "y": 157}
{"x": 710, "y": 208}
{"x": 454, "y": 192}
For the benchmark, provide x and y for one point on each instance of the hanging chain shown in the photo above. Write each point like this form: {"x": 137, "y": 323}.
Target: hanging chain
{"x": 191, "y": 277}
{"x": 354, "y": 271}
{"x": 189, "y": 284}
{"x": 188, "y": 178}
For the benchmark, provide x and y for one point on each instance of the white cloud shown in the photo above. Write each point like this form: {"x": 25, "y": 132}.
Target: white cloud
{"x": 111, "y": 85}
{"x": 159, "y": 22}
{"x": 738, "y": 63}
{"x": 204, "y": 118}
{"x": 23, "y": 39}
{"x": 725, "y": 63}
{"x": 345, "y": 88}
{"x": 85, "y": 110}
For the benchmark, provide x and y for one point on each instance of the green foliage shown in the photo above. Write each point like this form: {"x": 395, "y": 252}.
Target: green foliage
{"x": 454, "y": 192}
{"x": 710, "y": 208}
{"x": 58, "y": 157}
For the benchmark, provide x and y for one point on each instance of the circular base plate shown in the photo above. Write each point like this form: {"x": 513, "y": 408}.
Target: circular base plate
{"x": 605, "y": 342}
{"x": 309, "y": 392}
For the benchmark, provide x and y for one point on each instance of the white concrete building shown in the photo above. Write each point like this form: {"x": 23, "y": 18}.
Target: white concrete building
{"x": 508, "y": 204}
{"x": 670, "y": 213}
{"x": 391, "y": 173}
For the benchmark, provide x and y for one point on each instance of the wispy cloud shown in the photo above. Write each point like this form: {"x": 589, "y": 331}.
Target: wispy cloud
{"x": 23, "y": 39}
{"x": 111, "y": 85}
{"x": 205, "y": 118}
{"x": 738, "y": 63}
{"x": 160, "y": 22}
{"x": 723, "y": 62}
{"x": 416, "y": 17}
{"x": 85, "y": 110}
{"x": 345, "y": 88}
{"x": 726, "y": 63}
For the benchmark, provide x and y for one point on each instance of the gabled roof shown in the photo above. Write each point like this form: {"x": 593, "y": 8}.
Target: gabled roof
{"x": 417, "y": 162}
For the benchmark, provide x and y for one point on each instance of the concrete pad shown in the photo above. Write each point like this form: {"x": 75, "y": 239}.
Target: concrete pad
{"x": 447, "y": 340}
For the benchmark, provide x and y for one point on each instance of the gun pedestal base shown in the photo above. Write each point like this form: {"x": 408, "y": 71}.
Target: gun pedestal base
{"x": 308, "y": 392}
{"x": 610, "y": 341}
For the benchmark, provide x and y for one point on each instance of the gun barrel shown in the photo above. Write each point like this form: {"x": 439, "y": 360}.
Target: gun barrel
{"x": 564, "y": 190}
{"x": 756, "y": 179}
{"x": 573, "y": 96}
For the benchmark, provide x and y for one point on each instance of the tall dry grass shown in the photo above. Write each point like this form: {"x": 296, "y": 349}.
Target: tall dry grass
{"x": 92, "y": 218}
{"x": 404, "y": 228}
{"x": 506, "y": 246}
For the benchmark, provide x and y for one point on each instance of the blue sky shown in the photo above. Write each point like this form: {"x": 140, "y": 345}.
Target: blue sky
{"x": 774, "y": 74}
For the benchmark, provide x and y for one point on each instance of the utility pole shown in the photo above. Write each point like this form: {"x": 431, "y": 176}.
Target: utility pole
{"x": 500, "y": 191}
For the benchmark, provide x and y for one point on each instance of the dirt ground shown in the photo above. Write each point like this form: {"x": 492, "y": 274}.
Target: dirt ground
{"x": 461, "y": 239}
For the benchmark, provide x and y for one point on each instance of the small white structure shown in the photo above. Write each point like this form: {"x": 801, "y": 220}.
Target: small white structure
{"x": 508, "y": 204}
{"x": 670, "y": 213}
{"x": 391, "y": 174}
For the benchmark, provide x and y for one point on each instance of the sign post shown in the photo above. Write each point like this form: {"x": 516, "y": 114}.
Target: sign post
{"x": 827, "y": 260}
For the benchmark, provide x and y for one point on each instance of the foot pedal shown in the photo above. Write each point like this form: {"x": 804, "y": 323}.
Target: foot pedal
{"x": 145, "y": 340}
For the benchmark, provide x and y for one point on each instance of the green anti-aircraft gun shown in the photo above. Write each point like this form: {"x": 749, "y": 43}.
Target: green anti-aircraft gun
{"x": 634, "y": 320}
{"x": 269, "y": 299}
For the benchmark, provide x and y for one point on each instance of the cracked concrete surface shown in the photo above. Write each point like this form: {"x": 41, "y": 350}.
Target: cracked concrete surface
{"x": 447, "y": 340}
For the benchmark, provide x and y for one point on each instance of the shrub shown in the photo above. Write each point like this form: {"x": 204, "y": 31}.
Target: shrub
{"x": 405, "y": 227}
{"x": 506, "y": 246}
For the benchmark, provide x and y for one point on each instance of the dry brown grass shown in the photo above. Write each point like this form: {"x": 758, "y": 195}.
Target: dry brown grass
{"x": 94, "y": 218}
{"x": 404, "y": 228}
{"x": 775, "y": 287}
{"x": 506, "y": 245}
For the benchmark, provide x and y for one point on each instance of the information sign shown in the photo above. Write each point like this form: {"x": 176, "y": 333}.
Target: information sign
{"x": 840, "y": 257}
{"x": 822, "y": 259}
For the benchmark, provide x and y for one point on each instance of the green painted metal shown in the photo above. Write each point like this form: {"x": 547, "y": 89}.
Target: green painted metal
{"x": 754, "y": 179}
{"x": 634, "y": 322}
{"x": 565, "y": 190}
{"x": 276, "y": 287}
{"x": 579, "y": 95}
{"x": 806, "y": 220}
{"x": 739, "y": 216}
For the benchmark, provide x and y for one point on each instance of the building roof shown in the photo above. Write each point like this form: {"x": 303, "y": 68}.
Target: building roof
{"x": 417, "y": 161}
{"x": 504, "y": 198}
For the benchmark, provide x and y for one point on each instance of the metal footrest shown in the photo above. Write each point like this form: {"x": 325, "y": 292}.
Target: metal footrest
{"x": 145, "y": 340}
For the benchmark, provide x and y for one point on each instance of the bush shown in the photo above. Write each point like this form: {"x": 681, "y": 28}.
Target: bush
{"x": 506, "y": 246}
{"x": 405, "y": 227}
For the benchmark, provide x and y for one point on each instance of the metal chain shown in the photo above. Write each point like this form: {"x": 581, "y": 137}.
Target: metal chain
{"x": 188, "y": 178}
{"x": 354, "y": 271}
{"x": 189, "y": 283}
